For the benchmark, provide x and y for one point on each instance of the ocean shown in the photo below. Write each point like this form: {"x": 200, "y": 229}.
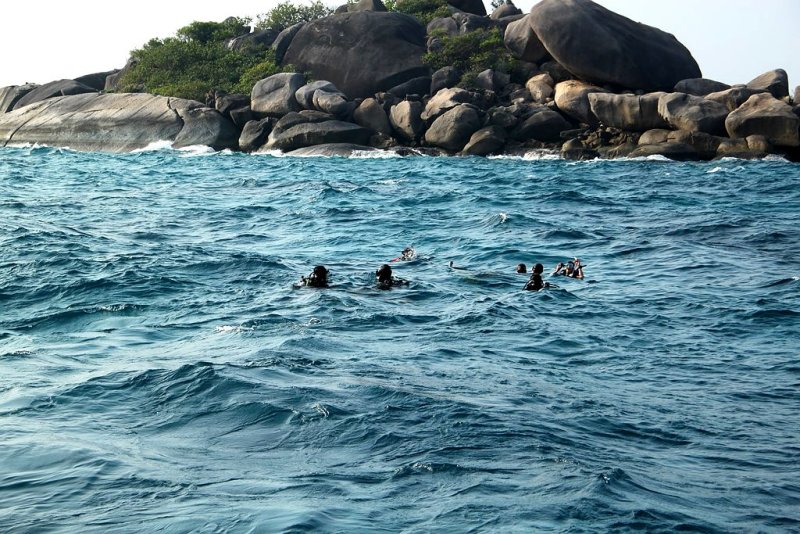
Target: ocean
{"x": 163, "y": 371}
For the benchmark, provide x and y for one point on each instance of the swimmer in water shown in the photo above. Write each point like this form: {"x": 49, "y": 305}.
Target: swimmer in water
{"x": 571, "y": 269}
{"x": 385, "y": 278}
{"x": 317, "y": 278}
{"x": 521, "y": 269}
{"x": 535, "y": 283}
{"x": 408, "y": 254}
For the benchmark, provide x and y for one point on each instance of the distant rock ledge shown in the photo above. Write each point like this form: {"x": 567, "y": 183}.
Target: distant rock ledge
{"x": 589, "y": 83}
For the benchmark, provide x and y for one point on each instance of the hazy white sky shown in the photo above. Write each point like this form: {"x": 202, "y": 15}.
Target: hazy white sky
{"x": 732, "y": 40}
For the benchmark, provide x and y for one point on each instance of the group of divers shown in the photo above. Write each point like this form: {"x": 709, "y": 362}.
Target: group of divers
{"x": 385, "y": 280}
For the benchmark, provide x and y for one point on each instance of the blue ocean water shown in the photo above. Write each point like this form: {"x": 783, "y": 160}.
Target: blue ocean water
{"x": 162, "y": 372}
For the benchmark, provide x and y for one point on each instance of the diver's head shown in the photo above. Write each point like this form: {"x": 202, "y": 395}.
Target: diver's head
{"x": 538, "y": 268}
{"x": 384, "y": 273}
{"x": 320, "y": 272}
{"x": 521, "y": 268}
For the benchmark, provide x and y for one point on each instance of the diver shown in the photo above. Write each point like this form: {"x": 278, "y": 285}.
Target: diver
{"x": 317, "y": 278}
{"x": 385, "y": 278}
{"x": 521, "y": 269}
{"x": 535, "y": 283}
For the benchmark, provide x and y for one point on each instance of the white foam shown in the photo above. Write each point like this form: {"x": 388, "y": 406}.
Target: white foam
{"x": 196, "y": 150}
{"x": 155, "y": 146}
{"x": 232, "y": 329}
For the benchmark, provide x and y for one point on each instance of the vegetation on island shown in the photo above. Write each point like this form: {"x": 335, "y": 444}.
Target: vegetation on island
{"x": 198, "y": 60}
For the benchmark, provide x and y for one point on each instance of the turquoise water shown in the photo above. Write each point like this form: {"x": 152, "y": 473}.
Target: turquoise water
{"x": 162, "y": 372}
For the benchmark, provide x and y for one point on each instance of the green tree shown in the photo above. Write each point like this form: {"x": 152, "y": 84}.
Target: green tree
{"x": 424, "y": 10}
{"x": 286, "y": 14}
{"x": 207, "y": 32}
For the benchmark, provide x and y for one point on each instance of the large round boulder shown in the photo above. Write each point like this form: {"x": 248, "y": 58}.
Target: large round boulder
{"x": 53, "y": 89}
{"x": 692, "y": 113}
{"x": 370, "y": 114}
{"x": 700, "y": 86}
{"x": 362, "y": 53}
{"x": 542, "y": 125}
{"x": 474, "y": 7}
{"x": 775, "y": 82}
{"x": 485, "y": 141}
{"x": 117, "y": 123}
{"x": 406, "y": 120}
{"x": 275, "y": 96}
{"x": 631, "y": 113}
{"x": 572, "y": 97}
{"x": 523, "y": 43}
{"x": 453, "y": 129}
{"x": 765, "y": 115}
{"x": 731, "y": 98}
{"x": 602, "y": 47}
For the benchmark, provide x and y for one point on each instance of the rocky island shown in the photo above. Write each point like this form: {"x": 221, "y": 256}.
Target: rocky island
{"x": 584, "y": 81}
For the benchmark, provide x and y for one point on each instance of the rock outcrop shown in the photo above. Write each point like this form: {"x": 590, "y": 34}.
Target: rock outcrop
{"x": 692, "y": 113}
{"x": 774, "y": 82}
{"x": 362, "y": 53}
{"x": 522, "y": 42}
{"x": 117, "y": 123}
{"x": 572, "y": 97}
{"x": 700, "y": 86}
{"x": 602, "y": 47}
{"x": 628, "y": 112}
{"x": 275, "y": 96}
{"x": 53, "y": 89}
{"x": 766, "y": 116}
{"x": 10, "y": 95}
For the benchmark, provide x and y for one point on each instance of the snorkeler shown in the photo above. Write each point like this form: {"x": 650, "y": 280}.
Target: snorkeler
{"x": 570, "y": 269}
{"x": 385, "y": 278}
{"x": 317, "y": 278}
{"x": 408, "y": 254}
{"x": 535, "y": 283}
{"x": 521, "y": 269}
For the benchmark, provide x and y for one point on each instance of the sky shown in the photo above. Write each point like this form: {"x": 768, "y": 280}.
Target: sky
{"x": 733, "y": 41}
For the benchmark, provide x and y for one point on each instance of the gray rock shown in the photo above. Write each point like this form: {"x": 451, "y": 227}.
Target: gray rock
{"x": 523, "y": 43}
{"x": 631, "y": 113}
{"x": 284, "y": 39}
{"x": 734, "y": 148}
{"x": 674, "y": 151}
{"x": 475, "y": 7}
{"x": 797, "y": 95}
{"x": 343, "y": 150}
{"x": 10, "y": 95}
{"x": 227, "y": 102}
{"x": 112, "y": 80}
{"x": 492, "y": 80}
{"x": 572, "y": 98}
{"x": 692, "y": 113}
{"x": 255, "y": 133}
{"x": 275, "y": 96}
{"x": 557, "y": 72}
{"x": 363, "y": 52}
{"x": 444, "y": 101}
{"x": 759, "y": 143}
{"x": 334, "y": 103}
{"x": 502, "y": 118}
{"x": 367, "y": 5}
{"x": 700, "y": 86}
{"x": 406, "y": 120}
{"x": 448, "y": 25}
{"x": 453, "y": 129}
{"x": 732, "y": 98}
{"x": 370, "y": 114}
{"x": 241, "y": 116}
{"x": 117, "y": 123}
{"x": 468, "y": 22}
{"x": 655, "y": 136}
{"x": 417, "y": 86}
{"x": 541, "y": 88}
{"x": 765, "y": 115}
{"x": 316, "y": 133}
{"x": 544, "y": 125}
{"x": 53, "y": 89}
{"x": 602, "y": 47}
{"x": 574, "y": 150}
{"x": 506, "y": 9}
{"x": 444, "y": 78}
{"x": 704, "y": 144}
{"x": 488, "y": 140}
{"x": 97, "y": 80}
{"x": 305, "y": 94}
{"x": 775, "y": 82}
{"x": 254, "y": 42}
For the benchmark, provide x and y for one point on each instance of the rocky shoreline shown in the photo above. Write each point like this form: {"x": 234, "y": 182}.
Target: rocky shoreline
{"x": 588, "y": 83}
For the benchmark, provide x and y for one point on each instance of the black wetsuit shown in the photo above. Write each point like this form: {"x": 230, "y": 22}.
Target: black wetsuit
{"x": 535, "y": 283}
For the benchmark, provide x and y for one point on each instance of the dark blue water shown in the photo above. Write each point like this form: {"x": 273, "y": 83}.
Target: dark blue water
{"x": 162, "y": 373}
